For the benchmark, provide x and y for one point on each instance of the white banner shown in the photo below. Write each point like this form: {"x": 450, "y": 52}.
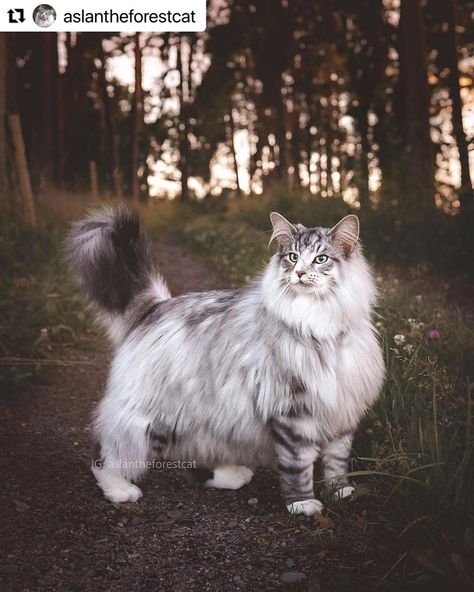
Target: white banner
{"x": 103, "y": 15}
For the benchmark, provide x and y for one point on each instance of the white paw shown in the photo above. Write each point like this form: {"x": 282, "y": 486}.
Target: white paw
{"x": 230, "y": 477}
{"x": 122, "y": 494}
{"x": 344, "y": 492}
{"x": 115, "y": 487}
{"x": 307, "y": 507}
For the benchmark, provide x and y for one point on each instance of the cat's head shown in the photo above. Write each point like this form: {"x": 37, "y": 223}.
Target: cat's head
{"x": 311, "y": 259}
{"x": 44, "y": 15}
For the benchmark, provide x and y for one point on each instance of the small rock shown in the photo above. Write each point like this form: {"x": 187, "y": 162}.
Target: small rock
{"x": 292, "y": 577}
{"x": 21, "y": 506}
{"x": 175, "y": 515}
{"x": 253, "y": 501}
{"x": 233, "y": 524}
{"x": 290, "y": 562}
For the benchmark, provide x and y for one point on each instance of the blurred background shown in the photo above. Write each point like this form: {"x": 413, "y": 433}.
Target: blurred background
{"x": 312, "y": 108}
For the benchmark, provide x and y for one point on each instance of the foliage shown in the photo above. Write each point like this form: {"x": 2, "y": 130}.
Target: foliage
{"x": 40, "y": 313}
{"x": 393, "y": 234}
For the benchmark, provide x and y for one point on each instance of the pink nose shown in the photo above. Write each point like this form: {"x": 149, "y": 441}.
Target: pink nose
{"x": 300, "y": 273}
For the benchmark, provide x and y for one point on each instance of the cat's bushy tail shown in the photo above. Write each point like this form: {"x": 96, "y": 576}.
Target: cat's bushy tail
{"x": 111, "y": 258}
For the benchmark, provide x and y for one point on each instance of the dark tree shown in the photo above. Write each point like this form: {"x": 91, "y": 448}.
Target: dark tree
{"x": 415, "y": 118}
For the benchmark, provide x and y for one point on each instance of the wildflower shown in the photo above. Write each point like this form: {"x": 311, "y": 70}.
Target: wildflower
{"x": 409, "y": 348}
{"x": 399, "y": 339}
{"x": 434, "y": 335}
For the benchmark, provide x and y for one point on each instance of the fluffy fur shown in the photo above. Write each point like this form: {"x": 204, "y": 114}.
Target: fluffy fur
{"x": 277, "y": 373}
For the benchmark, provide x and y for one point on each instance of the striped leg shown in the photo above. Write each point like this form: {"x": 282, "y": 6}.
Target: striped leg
{"x": 335, "y": 457}
{"x": 295, "y": 457}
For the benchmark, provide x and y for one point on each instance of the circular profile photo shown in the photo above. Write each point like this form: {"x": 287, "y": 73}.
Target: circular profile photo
{"x": 44, "y": 15}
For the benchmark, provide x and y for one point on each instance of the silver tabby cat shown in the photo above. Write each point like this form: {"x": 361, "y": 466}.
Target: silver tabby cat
{"x": 277, "y": 373}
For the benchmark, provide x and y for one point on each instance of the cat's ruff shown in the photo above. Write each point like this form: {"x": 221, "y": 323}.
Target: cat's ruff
{"x": 277, "y": 373}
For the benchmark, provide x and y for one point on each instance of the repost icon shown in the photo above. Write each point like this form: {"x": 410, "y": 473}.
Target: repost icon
{"x": 16, "y": 15}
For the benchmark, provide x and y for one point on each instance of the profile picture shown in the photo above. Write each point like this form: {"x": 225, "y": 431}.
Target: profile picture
{"x": 44, "y": 15}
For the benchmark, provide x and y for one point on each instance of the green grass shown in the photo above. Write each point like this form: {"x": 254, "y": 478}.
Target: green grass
{"x": 40, "y": 314}
{"x": 414, "y": 450}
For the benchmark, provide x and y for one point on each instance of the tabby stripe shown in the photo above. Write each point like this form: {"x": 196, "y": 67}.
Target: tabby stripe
{"x": 283, "y": 442}
{"x": 293, "y": 436}
{"x": 292, "y": 470}
{"x": 298, "y": 497}
{"x": 334, "y": 458}
{"x": 158, "y": 438}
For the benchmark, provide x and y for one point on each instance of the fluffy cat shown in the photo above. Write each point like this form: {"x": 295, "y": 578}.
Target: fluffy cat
{"x": 44, "y": 15}
{"x": 276, "y": 373}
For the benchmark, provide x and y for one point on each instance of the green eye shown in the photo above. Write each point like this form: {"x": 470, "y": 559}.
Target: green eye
{"x": 321, "y": 259}
{"x": 293, "y": 257}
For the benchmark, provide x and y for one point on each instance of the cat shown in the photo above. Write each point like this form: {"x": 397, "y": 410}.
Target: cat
{"x": 276, "y": 373}
{"x": 44, "y": 15}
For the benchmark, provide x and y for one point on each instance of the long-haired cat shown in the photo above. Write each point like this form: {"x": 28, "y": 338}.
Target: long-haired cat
{"x": 276, "y": 373}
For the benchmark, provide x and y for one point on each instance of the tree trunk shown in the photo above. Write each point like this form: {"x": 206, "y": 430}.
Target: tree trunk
{"x": 111, "y": 137}
{"x": 416, "y": 100}
{"x": 23, "y": 171}
{"x": 465, "y": 191}
{"x": 47, "y": 102}
{"x": 183, "y": 126}
{"x": 3, "y": 112}
{"x": 234, "y": 152}
{"x": 137, "y": 111}
{"x": 94, "y": 180}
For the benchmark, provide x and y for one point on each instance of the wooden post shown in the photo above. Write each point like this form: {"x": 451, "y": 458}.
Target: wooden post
{"x": 22, "y": 167}
{"x": 94, "y": 180}
{"x": 137, "y": 112}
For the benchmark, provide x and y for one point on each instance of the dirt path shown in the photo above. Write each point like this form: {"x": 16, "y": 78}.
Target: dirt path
{"x": 57, "y": 532}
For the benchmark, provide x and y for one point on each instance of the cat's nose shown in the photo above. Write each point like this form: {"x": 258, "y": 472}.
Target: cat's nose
{"x": 300, "y": 273}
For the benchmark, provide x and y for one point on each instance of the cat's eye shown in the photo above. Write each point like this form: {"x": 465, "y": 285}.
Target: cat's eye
{"x": 321, "y": 259}
{"x": 293, "y": 257}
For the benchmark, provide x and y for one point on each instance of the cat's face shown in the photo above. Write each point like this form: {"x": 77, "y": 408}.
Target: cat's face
{"x": 311, "y": 259}
{"x": 44, "y": 17}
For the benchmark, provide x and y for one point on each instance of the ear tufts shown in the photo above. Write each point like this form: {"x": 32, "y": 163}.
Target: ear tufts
{"x": 345, "y": 234}
{"x": 283, "y": 230}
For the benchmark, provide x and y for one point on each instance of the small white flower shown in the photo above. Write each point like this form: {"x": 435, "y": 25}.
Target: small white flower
{"x": 409, "y": 348}
{"x": 419, "y": 297}
{"x": 399, "y": 339}
{"x": 378, "y": 324}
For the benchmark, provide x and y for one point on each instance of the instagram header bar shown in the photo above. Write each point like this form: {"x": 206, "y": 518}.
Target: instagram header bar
{"x": 172, "y": 16}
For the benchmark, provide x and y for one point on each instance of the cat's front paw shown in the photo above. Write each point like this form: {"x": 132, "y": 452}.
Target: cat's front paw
{"x": 307, "y": 507}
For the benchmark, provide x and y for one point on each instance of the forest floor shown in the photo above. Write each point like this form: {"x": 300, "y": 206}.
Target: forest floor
{"x": 59, "y": 533}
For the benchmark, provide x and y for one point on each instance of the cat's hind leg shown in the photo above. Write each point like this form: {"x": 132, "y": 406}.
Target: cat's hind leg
{"x": 121, "y": 456}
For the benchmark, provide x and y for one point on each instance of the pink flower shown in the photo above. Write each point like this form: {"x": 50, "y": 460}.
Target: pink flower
{"x": 434, "y": 335}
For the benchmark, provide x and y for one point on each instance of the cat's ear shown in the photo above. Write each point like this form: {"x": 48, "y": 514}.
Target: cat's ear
{"x": 346, "y": 234}
{"x": 283, "y": 230}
